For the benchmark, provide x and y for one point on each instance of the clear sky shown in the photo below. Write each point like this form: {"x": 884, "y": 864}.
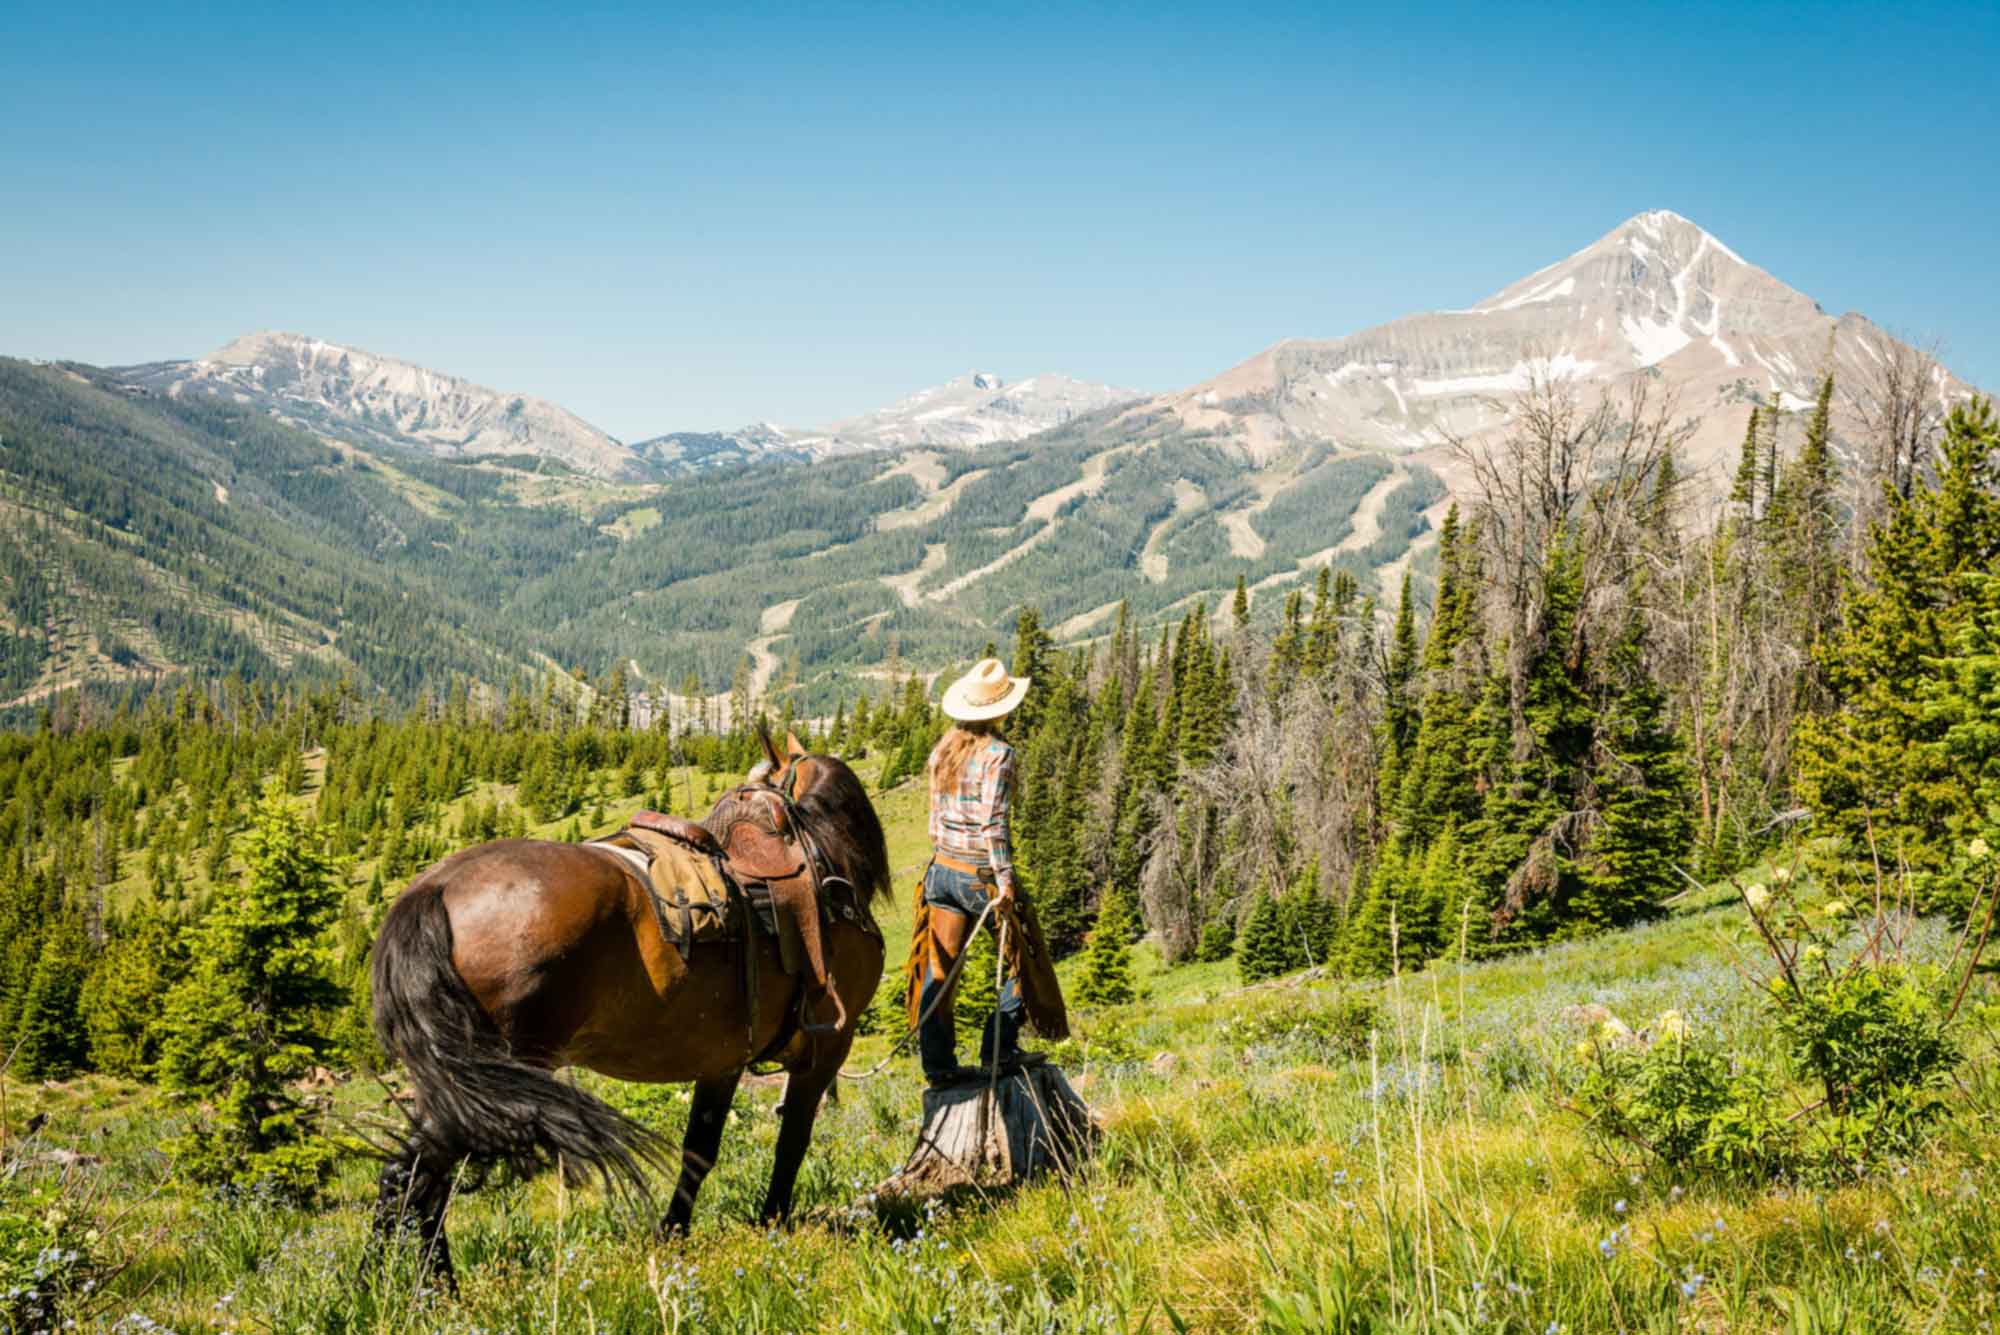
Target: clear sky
{"x": 671, "y": 218}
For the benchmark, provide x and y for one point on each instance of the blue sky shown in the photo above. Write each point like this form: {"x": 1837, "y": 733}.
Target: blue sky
{"x": 688, "y": 218}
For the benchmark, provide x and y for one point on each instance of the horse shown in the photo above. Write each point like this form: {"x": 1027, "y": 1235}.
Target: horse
{"x": 506, "y": 961}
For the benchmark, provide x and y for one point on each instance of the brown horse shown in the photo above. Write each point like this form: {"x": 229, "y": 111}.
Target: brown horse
{"x": 506, "y": 961}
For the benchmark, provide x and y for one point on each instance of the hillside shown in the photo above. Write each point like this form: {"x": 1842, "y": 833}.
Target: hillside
{"x": 146, "y": 536}
{"x": 151, "y": 533}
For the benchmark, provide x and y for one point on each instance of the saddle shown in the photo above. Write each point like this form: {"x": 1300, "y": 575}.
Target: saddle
{"x": 761, "y": 873}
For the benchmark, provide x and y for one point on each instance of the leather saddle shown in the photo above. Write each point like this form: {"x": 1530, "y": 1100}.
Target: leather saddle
{"x": 678, "y": 828}
{"x": 761, "y": 849}
{"x": 763, "y": 846}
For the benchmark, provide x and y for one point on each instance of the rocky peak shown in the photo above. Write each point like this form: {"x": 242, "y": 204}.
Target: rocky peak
{"x": 368, "y": 398}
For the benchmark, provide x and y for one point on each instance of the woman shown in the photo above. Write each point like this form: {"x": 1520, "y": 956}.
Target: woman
{"x": 971, "y": 774}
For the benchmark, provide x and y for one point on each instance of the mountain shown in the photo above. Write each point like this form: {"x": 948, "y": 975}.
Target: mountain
{"x": 368, "y": 399}
{"x": 1657, "y": 294}
{"x": 974, "y": 409}
{"x": 277, "y": 509}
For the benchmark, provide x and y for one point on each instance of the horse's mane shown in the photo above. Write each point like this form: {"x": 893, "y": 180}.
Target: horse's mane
{"x": 843, "y": 823}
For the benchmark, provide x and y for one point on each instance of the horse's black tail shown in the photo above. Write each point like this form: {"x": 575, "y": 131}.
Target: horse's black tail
{"x": 475, "y": 1100}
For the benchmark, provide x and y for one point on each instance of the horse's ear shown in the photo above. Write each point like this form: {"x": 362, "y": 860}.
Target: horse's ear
{"x": 770, "y": 750}
{"x": 793, "y": 746}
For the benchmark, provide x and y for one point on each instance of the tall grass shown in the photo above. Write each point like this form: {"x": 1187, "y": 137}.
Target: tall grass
{"x": 1277, "y": 1173}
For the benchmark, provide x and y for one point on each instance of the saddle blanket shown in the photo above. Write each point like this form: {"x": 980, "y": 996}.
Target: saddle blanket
{"x": 694, "y": 901}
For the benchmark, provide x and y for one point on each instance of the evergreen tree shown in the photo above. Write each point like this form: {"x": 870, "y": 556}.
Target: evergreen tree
{"x": 51, "y": 1040}
{"x": 1643, "y": 797}
{"x": 977, "y": 996}
{"x": 1105, "y": 978}
{"x": 1400, "y": 715}
{"x": 121, "y": 999}
{"x": 1260, "y": 948}
{"x": 248, "y": 1018}
{"x": 1873, "y": 766}
{"x": 1372, "y": 944}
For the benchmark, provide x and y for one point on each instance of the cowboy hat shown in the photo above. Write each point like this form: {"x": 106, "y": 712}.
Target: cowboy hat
{"x": 983, "y": 693}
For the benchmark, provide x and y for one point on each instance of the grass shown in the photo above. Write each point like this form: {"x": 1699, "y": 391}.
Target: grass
{"x": 1425, "y": 1178}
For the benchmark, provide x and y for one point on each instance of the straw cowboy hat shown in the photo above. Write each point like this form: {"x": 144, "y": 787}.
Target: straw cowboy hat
{"x": 983, "y": 693}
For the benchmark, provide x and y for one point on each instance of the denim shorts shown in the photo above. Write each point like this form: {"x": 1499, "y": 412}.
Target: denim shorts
{"x": 948, "y": 888}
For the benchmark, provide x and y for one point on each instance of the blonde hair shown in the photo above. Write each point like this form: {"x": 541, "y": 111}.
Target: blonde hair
{"x": 948, "y": 757}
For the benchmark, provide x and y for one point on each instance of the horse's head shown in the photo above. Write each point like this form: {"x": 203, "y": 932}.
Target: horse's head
{"x": 829, "y": 795}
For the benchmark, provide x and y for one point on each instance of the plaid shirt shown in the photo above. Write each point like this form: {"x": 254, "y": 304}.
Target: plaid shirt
{"x": 969, "y": 821}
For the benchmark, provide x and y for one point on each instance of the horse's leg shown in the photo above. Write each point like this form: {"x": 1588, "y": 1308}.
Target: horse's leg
{"x": 707, "y": 1115}
{"x": 412, "y": 1192}
{"x": 803, "y": 1090}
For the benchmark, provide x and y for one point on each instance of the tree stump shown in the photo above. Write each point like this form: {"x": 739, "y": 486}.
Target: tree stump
{"x": 986, "y": 1135}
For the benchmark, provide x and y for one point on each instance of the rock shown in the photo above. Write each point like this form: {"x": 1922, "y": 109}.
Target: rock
{"x": 1163, "y": 1064}
{"x": 1587, "y": 1015}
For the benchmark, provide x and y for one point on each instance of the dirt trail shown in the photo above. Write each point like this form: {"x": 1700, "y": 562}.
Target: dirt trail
{"x": 764, "y": 663}
{"x": 1364, "y": 527}
{"x": 1045, "y": 505}
{"x": 909, "y": 584}
{"x": 1084, "y": 621}
{"x": 933, "y": 505}
{"x": 1389, "y": 575}
{"x": 1367, "y": 522}
{"x": 1152, "y": 561}
{"x": 1244, "y": 539}
{"x": 924, "y": 467}
{"x": 1044, "y": 508}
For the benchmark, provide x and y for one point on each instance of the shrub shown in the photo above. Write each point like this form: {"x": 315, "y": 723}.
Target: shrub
{"x": 1334, "y": 1029}
{"x": 1684, "y": 1103}
{"x": 1870, "y": 1036}
{"x": 49, "y": 1268}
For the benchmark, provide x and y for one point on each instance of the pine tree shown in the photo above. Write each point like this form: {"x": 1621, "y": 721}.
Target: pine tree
{"x": 1105, "y": 978}
{"x": 247, "y": 1019}
{"x": 121, "y": 999}
{"x": 1371, "y": 947}
{"x": 1400, "y": 715}
{"x": 1310, "y": 927}
{"x": 51, "y": 1040}
{"x": 1218, "y": 934}
{"x": 1743, "y": 492}
{"x": 976, "y": 997}
{"x": 1643, "y": 796}
{"x": 1873, "y": 767}
{"x": 1260, "y": 947}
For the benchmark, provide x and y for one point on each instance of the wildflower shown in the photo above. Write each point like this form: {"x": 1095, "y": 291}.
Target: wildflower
{"x": 1671, "y": 1024}
{"x": 1618, "y": 1207}
{"x": 1757, "y": 897}
{"x": 1781, "y": 874}
{"x": 1978, "y": 849}
{"x": 1837, "y": 909}
{"x": 1692, "y": 1284}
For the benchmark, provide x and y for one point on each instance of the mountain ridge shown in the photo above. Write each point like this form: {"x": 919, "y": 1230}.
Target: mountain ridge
{"x": 1657, "y": 294}
{"x": 370, "y": 398}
